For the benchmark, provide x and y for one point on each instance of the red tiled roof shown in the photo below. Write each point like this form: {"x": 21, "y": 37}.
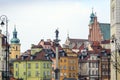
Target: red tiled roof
{"x": 38, "y": 56}
{"x": 77, "y": 40}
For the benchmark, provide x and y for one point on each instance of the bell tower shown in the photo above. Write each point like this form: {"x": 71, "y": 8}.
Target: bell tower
{"x": 14, "y": 46}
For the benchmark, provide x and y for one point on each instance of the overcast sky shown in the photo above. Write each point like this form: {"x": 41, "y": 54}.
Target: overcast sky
{"x": 38, "y": 19}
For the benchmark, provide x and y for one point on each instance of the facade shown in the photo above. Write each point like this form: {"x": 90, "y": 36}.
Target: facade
{"x": 83, "y": 65}
{"x": 93, "y": 67}
{"x": 105, "y": 64}
{"x": 15, "y": 46}
{"x": 98, "y": 31}
{"x": 33, "y": 67}
{"x": 2, "y": 55}
{"x": 115, "y": 36}
{"x": 68, "y": 65}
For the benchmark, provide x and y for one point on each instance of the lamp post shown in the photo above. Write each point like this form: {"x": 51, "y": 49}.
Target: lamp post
{"x": 108, "y": 66}
{"x": 57, "y": 44}
{"x": 4, "y": 21}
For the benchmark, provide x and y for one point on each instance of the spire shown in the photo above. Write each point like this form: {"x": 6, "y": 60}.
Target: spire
{"x": 15, "y": 39}
{"x": 68, "y": 34}
{"x": 92, "y": 16}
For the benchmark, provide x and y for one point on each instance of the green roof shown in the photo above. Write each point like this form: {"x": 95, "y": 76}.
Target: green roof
{"x": 15, "y": 40}
{"x": 105, "y": 30}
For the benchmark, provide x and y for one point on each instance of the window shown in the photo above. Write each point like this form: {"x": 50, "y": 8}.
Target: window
{"x": 96, "y": 65}
{"x": 69, "y": 74}
{"x": 93, "y": 65}
{"x": 72, "y": 67}
{"x": 92, "y": 72}
{"x": 29, "y": 65}
{"x": 16, "y": 73}
{"x": 16, "y": 65}
{"x": 89, "y": 71}
{"x": 29, "y": 73}
{"x": 45, "y": 73}
{"x": 96, "y": 72}
{"x": 73, "y": 74}
{"x": 36, "y": 65}
{"x": 44, "y": 65}
{"x": 64, "y": 67}
{"x": 103, "y": 66}
{"x": 48, "y": 65}
{"x": 16, "y": 56}
{"x": 37, "y": 73}
{"x": 61, "y": 60}
{"x": 48, "y": 72}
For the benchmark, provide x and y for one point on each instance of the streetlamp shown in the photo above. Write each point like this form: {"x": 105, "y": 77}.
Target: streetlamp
{"x": 108, "y": 65}
{"x": 57, "y": 44}
{"x": 4, "y": 21}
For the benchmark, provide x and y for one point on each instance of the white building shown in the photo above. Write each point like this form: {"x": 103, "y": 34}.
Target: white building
{"x": 115, "y": 34}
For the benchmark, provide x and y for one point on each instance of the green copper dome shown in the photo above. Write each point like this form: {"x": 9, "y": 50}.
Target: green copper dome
{"x": 15, "y": 40}
{"x": 92, "y": 16}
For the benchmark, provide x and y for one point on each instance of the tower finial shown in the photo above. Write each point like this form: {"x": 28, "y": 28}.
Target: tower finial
{"x": 67, "y": 34}
{"x": 14, "y": 27}
{"x": 92, "y": 9}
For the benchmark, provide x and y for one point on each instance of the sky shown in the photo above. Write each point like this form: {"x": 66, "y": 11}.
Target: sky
{"x": 38, "y": 19}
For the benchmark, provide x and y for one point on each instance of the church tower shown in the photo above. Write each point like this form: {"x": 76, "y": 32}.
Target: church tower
{"x": 98, "y": 31}
{"x": 15, "y": 46}
{"x": 115, "y": 38}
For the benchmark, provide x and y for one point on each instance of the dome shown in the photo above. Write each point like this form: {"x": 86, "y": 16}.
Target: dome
{"x": 92, "y": 15}
{"x": 15, "y": 40}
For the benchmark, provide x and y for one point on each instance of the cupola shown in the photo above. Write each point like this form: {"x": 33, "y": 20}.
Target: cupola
{"x": 15, "y": 40}
{"x": 92, "y": 16}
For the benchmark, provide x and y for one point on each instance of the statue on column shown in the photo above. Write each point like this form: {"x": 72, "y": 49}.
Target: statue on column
{"x": 57, "y": 32}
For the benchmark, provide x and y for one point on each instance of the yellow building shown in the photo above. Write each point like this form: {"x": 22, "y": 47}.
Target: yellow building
{"x": 15, "y": 46}
{"x": 68, "y": 64}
